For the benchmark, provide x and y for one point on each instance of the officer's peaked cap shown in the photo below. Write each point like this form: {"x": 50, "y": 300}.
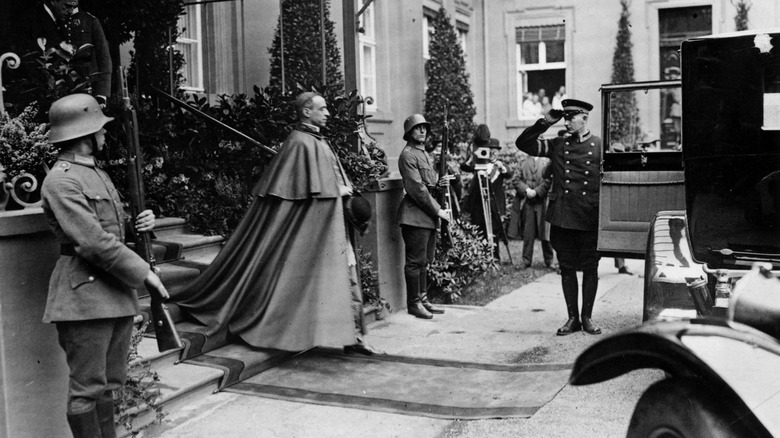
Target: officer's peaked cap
{"x": 574, "y": 104}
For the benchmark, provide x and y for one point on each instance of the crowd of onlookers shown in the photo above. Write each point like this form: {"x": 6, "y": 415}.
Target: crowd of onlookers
{"x": 535, "y": 104}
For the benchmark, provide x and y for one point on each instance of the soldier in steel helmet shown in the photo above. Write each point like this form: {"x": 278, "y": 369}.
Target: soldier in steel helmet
{"x": 419, "y": 214}
{"x": 92, "y": 292}
{"x": 574, "y": 205}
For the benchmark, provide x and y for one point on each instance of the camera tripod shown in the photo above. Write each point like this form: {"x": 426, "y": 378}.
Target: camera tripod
{"x": 487, "y": 199}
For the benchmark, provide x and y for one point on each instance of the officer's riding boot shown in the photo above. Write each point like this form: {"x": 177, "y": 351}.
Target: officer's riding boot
{"x": 424, "y": 294}
{"x": 105, "y": 414}
{"x": 590, "y": 285}
{"x": 571, "y": 295}
{"x": 85, "y": 425}
{"x": 413, "y": 301}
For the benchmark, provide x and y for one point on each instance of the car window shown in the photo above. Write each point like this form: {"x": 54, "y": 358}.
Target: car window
{"x": 644, "y": 121}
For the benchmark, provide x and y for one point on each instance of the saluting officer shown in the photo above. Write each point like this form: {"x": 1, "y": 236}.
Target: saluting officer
{"x": 574, "y": 205}
{"x": 419, "y": 215}
{"x": 92, "y": 298}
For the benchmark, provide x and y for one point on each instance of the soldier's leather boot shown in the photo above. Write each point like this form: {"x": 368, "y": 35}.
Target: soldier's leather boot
{"x": 85, "y": 425}
{"x": 413, "y": 299}
{"x": 418, "y": 310}
{"x": 590, "y": 285}
{"x": 570, "y": 287}
{"x": 431, "y": 308}
{"x": 105, "y": 414}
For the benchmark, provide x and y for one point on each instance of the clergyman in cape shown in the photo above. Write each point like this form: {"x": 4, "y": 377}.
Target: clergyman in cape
{"x": 287, "y": 277}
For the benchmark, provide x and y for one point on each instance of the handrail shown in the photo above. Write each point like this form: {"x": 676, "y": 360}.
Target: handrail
{"x": 184, "y": 105}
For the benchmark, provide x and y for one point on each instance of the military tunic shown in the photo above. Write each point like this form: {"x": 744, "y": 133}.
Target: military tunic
{"x": 96, "y": 276}
{"x": 418, "y": 207}
{"x": 576, "y": 161}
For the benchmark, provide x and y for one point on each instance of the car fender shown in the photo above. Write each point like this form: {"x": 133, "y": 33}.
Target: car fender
{"x": 669, "y": 267}
{"x": 670, "y": 346}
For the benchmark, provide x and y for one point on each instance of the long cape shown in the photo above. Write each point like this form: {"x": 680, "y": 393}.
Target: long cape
{"x": 282, "y": 279}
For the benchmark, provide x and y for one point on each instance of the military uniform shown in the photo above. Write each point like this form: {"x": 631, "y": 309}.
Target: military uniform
{"x": 417, "y": 216}
{"x": 92, "y": 296}
{"x": 573, "y": 211}
{"x": 418, "y": 207}
{"x": 575, "y": 161}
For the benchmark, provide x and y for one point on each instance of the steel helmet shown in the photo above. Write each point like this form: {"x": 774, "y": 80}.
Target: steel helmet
{"x": 74, "y": 116}
{"x": 412, "y": 121}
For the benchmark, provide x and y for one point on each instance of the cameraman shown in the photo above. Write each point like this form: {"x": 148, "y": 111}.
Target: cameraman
{"x": 484, "y": 158}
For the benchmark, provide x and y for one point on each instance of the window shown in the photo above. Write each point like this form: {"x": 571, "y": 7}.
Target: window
{"x": 189, "y": 44}
{"x": 541, "y": 69}
{"x": 427, "y": 30}
{"x": 676, "y": 25}
{"x": 367, "y": 42}
{"x": 463, "y": 35}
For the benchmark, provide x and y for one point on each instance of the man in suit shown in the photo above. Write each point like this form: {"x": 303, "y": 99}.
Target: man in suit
{"x": 92, "y": 292}
{"x": 66, "y": 28}
{"x": 534, "y": 183}
{"x": 574, "y": 205}
{"x": 419, "y": 215}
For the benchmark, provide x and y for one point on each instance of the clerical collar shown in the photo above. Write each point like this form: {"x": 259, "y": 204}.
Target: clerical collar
{"x": 312, "y": 127}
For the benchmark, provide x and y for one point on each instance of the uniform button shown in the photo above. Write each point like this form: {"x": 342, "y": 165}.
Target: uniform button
{"x": 568, "y": 181}
{"x": 566, "y": 152}
{"x": 590, "y": 153}
{"x": 587, "y": 173}
{"x": 587, "y": 162}
{"x": 567, "y": 161}
{"x": 567, "y": 143}
{"x": 583, "y": 193}
{"x": 566, "y": 191}
{"x": 593, "y": 144}
{"x": 567, "y": 170}
{"x": 586, "y": 183}
{"x": 91, "y": 278}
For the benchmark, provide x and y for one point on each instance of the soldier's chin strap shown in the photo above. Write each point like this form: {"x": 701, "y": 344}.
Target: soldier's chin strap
{"x": 96, "y": 152}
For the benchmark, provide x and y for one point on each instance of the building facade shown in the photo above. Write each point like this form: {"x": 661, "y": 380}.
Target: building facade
{"x": 518, "y": 52}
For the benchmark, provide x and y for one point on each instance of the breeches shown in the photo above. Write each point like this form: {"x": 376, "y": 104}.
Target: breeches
{"x": 576, "y": 249}
{"x": 420, "y": 250}
{"x": 96, "y": 352}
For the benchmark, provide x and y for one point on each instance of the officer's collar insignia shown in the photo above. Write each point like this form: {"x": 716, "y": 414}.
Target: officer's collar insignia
{"x": 582, "y": 137}
{"x": 84, "y": 160}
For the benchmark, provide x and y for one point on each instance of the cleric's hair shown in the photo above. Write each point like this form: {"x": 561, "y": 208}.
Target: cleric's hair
{"x": 304, "y": 100}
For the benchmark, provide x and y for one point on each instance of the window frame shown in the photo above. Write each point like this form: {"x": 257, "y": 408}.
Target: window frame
{"x": 524, "y": 69}
{"x": 195, "y": 44}
{"x": 367, "y": 41}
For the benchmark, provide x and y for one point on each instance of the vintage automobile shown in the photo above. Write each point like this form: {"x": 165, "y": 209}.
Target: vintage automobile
{"x": 711, "y": 293}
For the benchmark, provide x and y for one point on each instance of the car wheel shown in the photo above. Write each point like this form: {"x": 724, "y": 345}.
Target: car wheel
{"x": 675, "y": 408}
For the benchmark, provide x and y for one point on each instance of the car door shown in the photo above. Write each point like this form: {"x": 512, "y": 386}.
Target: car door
{"x": 642, "y": 170}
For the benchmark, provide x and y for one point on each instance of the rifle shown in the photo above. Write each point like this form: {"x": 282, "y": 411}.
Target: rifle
{"x": 164, "y": 329}
{"x": 444, "y": 193}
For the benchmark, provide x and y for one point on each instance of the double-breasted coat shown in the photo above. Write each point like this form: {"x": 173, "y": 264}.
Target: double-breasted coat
{"x": 96, "y": 274}
{"x": 575, "y": 161}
